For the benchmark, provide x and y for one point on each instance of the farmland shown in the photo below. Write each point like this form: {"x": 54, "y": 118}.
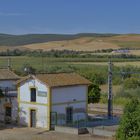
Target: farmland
{"x": 94, "y": 70}
{"x": 86, "y": 54}
{"x": 78, "y": 42}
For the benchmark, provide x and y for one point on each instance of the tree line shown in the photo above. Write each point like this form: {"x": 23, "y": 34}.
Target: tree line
{"x": 66, "y": 53}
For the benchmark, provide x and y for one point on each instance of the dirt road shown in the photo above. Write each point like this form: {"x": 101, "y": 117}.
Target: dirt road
{"x": 41, "y": 134}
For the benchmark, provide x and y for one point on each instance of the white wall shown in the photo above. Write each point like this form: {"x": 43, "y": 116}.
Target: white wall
{"x": 61, "y": 109}
{"x": 25, "y": 94}
{"x": 25, "y": 103}
{"x": 41, "y": 115}
{"x": 72, "y": 96}
{"x": 68, "y": 94}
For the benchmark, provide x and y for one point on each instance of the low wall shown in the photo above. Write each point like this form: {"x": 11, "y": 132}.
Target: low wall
{"x": 71, "y": 130}
{"x": 101, "y": 132}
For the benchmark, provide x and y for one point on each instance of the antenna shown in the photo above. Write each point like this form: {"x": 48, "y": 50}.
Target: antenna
{"x": 110, "y": 94}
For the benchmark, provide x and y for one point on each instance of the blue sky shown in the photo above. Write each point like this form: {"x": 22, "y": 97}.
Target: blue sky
{"x": 69, "y": 16}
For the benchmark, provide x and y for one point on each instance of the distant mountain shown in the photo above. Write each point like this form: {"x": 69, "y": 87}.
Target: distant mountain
{"x": 19, "y": 40}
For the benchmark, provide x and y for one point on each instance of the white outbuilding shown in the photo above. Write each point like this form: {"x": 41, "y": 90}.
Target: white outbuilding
{"x": 45, "y": 100}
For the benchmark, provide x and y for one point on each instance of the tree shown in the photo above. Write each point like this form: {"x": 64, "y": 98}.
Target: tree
{"x": 129, "y": 128}
{"x": 94, "y": 93}
{"x": 28, "y": 69}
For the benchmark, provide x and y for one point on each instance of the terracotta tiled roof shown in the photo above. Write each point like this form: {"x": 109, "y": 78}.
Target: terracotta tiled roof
{"x": 6, "y": 74}
{"x": 23, "y": 79}
{"x": 59, "y": 79}
{"x": 63, "y": 79}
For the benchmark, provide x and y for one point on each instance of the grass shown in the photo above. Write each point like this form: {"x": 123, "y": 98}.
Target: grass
{"x": 85, "y": 68}
{"x": 119, "y": 64}
{"x": 39, "y": 62}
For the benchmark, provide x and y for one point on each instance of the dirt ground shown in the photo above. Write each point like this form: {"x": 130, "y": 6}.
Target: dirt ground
{"x": 41, "y": 134}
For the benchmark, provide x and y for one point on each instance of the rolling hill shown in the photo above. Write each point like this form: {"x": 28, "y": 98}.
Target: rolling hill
{"x": 77, "y": 42}
{"x": 18, "y": 40}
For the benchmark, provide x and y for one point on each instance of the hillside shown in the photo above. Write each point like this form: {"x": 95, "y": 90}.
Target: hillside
{"x": 18, "y": 40}
{"x": 78, "y": 42}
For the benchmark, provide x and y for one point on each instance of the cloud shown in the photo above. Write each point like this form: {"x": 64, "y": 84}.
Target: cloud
{"x": 11, "y": 14}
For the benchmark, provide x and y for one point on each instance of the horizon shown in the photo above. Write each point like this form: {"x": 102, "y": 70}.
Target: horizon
{"x": 69, "y": 34}
{"x": 69, "y": 17}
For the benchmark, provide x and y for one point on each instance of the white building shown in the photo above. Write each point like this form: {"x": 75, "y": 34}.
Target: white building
{"x": 48, "y": 99}
{"x": 8, "y": 96}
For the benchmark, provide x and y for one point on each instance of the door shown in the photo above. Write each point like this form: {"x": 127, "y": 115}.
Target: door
{"x": 33, "y": 118}
{"x": 53, "y": 119}
{"x": 8, "y": 114}
{"x": 69, "y": 115}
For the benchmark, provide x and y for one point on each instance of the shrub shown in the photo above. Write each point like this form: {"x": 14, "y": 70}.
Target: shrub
{"x": 130, "y": 122}
{"x": 94, "y": 93}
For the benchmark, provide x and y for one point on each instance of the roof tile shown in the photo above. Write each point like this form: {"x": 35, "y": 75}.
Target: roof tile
{"x": 6, "y": 74}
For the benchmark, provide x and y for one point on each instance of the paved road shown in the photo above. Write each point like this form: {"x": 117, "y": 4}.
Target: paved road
{"x": 41, "y": 134}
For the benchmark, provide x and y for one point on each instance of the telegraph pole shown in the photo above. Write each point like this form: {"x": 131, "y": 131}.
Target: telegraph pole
{"x": 9, "y": 63}
{"x": 110, "y": 95}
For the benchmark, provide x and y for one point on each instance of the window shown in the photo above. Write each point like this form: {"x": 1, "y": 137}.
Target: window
{"x": 33, "y": 94}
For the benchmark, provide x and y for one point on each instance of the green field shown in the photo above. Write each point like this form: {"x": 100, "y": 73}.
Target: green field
{"x": 40, "y": 63}
{"x": 96, "y": 70}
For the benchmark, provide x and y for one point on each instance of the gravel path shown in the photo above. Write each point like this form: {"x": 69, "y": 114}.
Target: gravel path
{"x": 41, "y": 134}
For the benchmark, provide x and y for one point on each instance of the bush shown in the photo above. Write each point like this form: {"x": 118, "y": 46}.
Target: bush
{"x": 94, "y": 93}
{"x": 130, "y": 122}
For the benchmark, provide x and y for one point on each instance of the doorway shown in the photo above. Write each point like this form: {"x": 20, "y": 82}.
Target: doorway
{"x": 8, "y": 114}
{"x": 69, "y": 115}
{"x": 53, "y": 119}
{"x": 32, "y": 118}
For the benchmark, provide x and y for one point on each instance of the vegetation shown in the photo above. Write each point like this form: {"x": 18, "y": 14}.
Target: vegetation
{"x": 129, "y": 128}
{"x": 131, "y": 82}
{"x": 65, "y": 53}
{"x": 96, "y": 73}
{"x": 94, "y": 93}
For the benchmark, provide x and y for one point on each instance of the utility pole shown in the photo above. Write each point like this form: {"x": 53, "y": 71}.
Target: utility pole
{"x": 9, "y": 63}
{"x": 110, "y": 95}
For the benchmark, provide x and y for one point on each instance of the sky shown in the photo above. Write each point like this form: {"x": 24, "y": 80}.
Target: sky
{"x": 69, "y": 16}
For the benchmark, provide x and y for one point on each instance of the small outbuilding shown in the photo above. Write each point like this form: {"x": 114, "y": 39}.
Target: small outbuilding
{"x": 8, "y": 96}
{"x": 46, "y": 100}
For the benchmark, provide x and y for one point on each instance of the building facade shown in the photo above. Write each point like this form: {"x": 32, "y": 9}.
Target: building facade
{"x": 8, "y": 96}
{"x": 48, "y": 99}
